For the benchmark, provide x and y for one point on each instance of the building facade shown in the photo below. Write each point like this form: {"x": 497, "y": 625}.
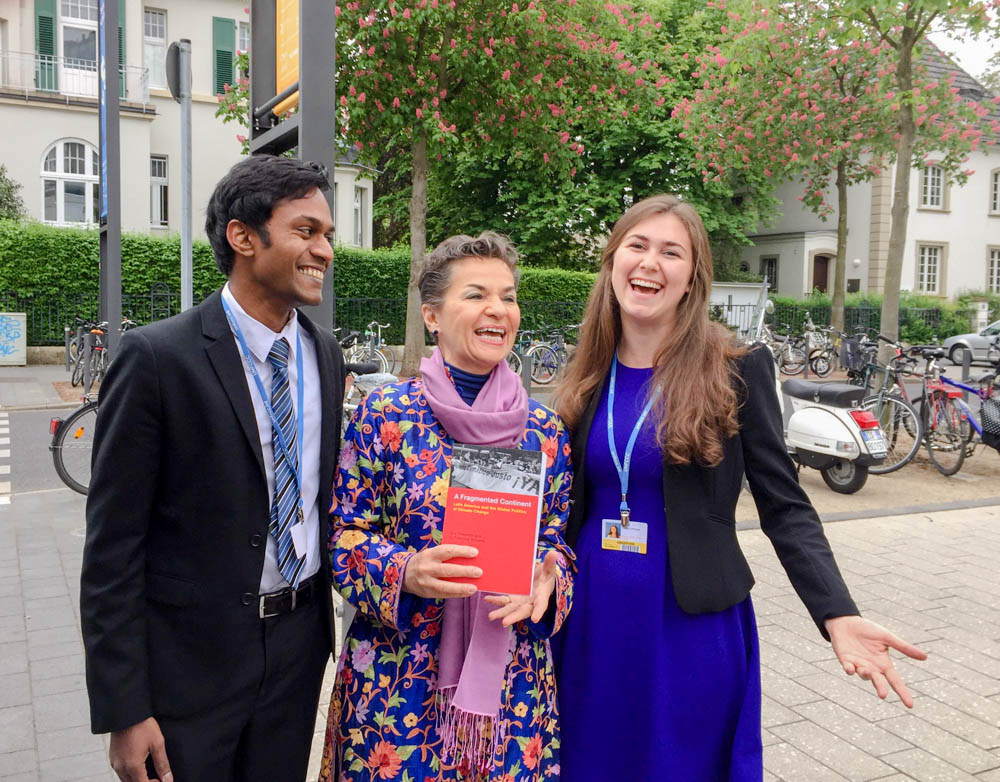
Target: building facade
{"x": 48, "y": 109}
{"x": 952, "y": 238}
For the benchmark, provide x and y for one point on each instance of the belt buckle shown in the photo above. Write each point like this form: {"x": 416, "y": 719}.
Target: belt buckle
{"x": 278, "y": 597}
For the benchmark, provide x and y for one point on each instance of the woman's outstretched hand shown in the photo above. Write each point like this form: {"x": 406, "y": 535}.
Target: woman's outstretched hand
{"x": 862, "y": 647}
{"x": 516, "y": 608}
{"x": 426, "y": 570}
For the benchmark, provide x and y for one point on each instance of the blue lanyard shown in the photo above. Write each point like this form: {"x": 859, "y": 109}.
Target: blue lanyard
{"x": 299, "y": 413}
{"x": 623, "y": 470}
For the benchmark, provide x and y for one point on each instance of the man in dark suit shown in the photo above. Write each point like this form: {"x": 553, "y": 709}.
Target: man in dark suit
{"x": 205, "y": 594}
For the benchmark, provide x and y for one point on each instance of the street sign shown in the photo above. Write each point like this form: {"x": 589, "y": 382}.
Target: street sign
{"x": 173, "y": 71}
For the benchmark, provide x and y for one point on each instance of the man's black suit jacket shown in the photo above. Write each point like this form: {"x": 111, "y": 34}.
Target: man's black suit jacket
{"x": 709, "y": 571}
{"x": 177, "y": 517}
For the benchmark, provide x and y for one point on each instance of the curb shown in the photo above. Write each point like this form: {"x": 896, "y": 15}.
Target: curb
{"x": 904, "y": 510}
{"x": 45, "y": 406}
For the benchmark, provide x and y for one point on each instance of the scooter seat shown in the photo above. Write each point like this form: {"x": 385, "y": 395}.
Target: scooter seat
{"x": 833, "y": 394}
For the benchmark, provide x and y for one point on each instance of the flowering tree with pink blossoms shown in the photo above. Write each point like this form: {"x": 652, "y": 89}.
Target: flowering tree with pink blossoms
{"x": 439, "y": 77}
{"x": 904, "y": 24}
{"x": 815, "y": 95}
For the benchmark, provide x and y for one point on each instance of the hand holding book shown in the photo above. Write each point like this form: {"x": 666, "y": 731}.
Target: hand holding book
{"x": 426, "y": 570}
{"x": 516, "y": 608}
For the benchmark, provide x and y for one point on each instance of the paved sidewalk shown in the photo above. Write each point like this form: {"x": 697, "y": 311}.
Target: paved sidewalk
{"x": 933, "y": 578}
{"x": 30, "y": 387}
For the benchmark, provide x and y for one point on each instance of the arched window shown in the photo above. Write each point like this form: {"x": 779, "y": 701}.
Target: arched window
{"x": 70, "y": 188}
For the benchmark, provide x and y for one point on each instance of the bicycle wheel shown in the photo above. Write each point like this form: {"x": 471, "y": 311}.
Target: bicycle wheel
{"x": 77, "y": 377}
{"x": 793, "y": 361}
{"x": 901, "y": 427}
{"x": 514, "y": 362}
{"x": 544, "y": 364}
{"x": 72, "y": 446}
{"x": 390, "y": 356}
{"x": 821, "y": 365}
{"x": 382, "y": 360}
{"x": 944, "y": 435}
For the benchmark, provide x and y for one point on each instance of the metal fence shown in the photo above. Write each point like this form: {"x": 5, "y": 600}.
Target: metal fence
{"x": 48, "y": 314}
{"x": 28, "y": 72}
{"x": 356, "y": 314}
{"x": 792, "y": 318}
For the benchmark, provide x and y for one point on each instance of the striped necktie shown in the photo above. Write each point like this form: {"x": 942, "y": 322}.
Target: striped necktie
{"x": 284, "y": 507}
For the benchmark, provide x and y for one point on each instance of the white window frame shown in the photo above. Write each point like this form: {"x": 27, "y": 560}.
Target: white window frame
{"x": 929, "y": 280}
{"x": 359, "y": 216}
{"x": 770, "y": 276}
{"x": 242, "y": 37}
{"x": 90, "y": 177}
{"x": 159, "y": 193}
{"x": 76, "y": 77}
{"x": 154, "y": 49}
{"x": 932, "y": 187}
{"x": 993, "y": 270}
{"x": 995, "y": 191}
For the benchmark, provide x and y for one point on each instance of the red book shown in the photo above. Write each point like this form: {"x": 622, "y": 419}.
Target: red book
{"x": 494, "y": 504}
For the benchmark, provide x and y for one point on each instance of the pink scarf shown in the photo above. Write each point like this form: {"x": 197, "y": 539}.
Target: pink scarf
{"x": 474, "y": 652}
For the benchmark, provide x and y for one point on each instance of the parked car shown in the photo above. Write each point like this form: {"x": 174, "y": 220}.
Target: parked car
{"x": 978, "y": 342}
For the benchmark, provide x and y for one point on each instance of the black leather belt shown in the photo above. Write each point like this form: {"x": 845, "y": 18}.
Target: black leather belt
{"x": 288, "y": 599}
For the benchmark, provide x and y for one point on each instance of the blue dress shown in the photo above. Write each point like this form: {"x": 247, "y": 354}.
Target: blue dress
{"x": 647, "y": 692}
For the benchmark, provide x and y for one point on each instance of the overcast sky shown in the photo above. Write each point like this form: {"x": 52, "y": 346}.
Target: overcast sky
{"x": 972, "y": 54}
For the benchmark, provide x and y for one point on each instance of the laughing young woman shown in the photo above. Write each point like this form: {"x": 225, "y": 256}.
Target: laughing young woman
{"x": 436, "y": 681}
{"x": 667, "y": 412}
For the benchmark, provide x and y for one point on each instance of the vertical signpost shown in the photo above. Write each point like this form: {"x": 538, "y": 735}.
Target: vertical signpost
{"x": 110, "y": 145}
{"x": 179, "y": 82}
{"x": 293, "y": 65}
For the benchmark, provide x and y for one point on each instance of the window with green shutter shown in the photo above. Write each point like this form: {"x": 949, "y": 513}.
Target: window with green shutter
{"x": 45, "y": 45}
{"x": 223, "y": 48}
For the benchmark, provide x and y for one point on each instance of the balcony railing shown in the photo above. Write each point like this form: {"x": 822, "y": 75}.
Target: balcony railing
{"x": 33, "y": 73}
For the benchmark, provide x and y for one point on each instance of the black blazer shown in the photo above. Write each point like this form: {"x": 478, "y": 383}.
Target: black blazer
{"x": 177, "y": 517}
{"x": 709, "y": 570}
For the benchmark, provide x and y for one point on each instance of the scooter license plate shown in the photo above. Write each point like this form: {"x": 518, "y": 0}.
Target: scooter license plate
{"x": 875, "y": 441}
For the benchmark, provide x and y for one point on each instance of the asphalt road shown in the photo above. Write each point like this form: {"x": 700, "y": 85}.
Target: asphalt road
{"x": 31, "y": 467}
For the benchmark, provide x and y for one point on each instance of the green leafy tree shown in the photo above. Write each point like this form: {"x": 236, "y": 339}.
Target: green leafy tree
{"x": 561, "y": 220}
{"x": 11, "y": 205}
{"x": 904, "y": 26}
{"x": 438, "y": 78}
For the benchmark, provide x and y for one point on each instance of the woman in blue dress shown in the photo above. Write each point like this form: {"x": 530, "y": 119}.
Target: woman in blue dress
{"x": 658, "y": 665}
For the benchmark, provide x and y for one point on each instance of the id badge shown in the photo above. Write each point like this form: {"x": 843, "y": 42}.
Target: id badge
{"x": 615, "y": 536}
{"x": 298, "y": 530}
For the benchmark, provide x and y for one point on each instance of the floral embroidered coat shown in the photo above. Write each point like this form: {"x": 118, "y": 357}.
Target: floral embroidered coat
{"x": 388, "y": 503}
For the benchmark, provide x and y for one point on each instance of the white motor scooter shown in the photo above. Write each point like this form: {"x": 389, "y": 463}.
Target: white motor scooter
{"x": 827, "y": 430}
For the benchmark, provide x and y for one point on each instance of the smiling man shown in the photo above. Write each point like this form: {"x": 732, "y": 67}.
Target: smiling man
{"x": 205, "y": 601}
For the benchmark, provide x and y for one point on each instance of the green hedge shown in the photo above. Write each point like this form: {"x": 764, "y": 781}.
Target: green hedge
{"x": 384, "y": 274}
{"x": 38, "y": 259}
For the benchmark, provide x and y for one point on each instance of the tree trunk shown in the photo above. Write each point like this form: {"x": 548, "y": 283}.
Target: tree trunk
{"x": 839, "y": 281}
{"x": 414, "y": 348}
{"x": 900, "y": 193}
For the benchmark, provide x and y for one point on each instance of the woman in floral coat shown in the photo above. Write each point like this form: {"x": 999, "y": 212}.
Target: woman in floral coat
{"x": 393, "y": 716}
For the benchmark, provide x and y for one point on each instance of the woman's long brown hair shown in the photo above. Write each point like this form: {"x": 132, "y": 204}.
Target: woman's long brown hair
{"x": 694, "y": 365}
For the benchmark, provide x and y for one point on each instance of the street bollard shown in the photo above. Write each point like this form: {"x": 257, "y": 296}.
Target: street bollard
{"x": 966, "y": 372}
{"x": 525, "y": 371}
{"x": 88, "y": 347}
{"x": 66, "y": 332}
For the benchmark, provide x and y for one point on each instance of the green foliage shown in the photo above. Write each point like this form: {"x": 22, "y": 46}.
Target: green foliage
{"x": 43, "y": 260}
{"x": 11, "y": 205}
{"x": 383, "y": 274}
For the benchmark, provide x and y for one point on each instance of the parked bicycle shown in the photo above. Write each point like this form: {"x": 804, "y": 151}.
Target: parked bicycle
{"x": 72, "y": 443}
